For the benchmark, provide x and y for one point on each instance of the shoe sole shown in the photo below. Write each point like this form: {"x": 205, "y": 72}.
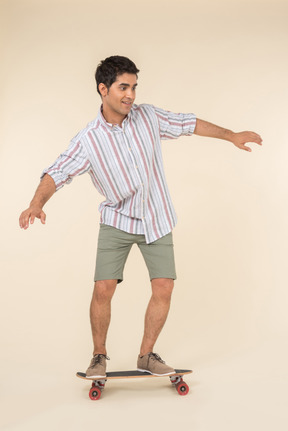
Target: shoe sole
{"x": 154, "y": 374}
{"x": 95, "y": 377}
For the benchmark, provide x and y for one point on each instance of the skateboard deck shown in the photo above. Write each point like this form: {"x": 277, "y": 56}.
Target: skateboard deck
{"x": 98, "y": 384}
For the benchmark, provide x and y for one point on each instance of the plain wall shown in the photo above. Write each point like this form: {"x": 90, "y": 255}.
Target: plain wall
{"x": 226, "y": 61}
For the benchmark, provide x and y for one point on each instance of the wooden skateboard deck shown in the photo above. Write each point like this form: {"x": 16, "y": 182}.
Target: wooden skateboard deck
{"x": 98, "y": 384}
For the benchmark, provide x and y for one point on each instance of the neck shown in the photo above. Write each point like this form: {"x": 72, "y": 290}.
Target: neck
{"x": 113, "y": 117}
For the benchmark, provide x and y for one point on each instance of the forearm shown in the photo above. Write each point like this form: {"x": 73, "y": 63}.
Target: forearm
{"x": 239, "y": 139}
{"x": 44, "y": 192}
{"x": 204, "y": 128}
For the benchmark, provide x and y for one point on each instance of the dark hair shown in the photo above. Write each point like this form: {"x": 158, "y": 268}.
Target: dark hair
{"x": 108, "y": 70}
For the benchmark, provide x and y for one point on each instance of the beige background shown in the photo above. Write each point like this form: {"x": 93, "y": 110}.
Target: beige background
{"x": 227, "y": 62}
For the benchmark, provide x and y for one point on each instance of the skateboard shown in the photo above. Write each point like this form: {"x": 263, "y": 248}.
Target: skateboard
{"x": 98, "y": 384}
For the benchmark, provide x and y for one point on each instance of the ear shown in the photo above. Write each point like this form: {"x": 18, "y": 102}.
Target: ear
{"x": 103, "y": 89}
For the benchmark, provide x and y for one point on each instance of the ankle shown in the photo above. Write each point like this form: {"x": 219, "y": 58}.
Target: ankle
{"x": 98, "y": 352}
{"x": 144, "y": 353}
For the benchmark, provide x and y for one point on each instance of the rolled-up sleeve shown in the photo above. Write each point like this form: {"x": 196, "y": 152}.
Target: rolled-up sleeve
{"x": 173, "y": 125}
{"x": 72, "y": 162}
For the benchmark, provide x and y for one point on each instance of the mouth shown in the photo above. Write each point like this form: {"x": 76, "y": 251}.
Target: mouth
{"x": 127, "y": 103}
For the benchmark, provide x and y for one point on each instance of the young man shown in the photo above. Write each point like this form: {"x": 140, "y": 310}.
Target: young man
{"x": 121, "y": 150}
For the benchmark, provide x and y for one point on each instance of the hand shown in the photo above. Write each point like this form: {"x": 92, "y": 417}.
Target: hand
{"x": 29, "y": 215}
{"x": 240, "y": 140}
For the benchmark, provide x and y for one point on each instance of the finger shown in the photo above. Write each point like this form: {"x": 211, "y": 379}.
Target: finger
{"x": 23, "y": 222}
{"x": 259, "y": 142}
{"x": 32, "y": 219}
{"x": 244, "y": 147}
{"x": 43, "y": 217}
{"x": 256, "y": 138}
{"x": 27, "y": 222}
{"x": 20, "y": 221}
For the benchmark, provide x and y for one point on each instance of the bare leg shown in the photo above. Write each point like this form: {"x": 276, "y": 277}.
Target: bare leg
{"x": 100, "y": 313}
{"x": 156, "y": 313}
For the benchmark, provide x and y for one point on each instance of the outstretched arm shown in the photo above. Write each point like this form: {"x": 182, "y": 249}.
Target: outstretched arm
{"x": 43, "y": 193}
{"x": 240, "y": 139}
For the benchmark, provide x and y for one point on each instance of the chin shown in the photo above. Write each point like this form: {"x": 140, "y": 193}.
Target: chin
{"x": 126, "y": 110}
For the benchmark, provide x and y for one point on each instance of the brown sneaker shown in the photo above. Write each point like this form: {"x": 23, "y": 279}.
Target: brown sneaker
{"x": 153, "y": 364}
{"x": 97, "y": 367}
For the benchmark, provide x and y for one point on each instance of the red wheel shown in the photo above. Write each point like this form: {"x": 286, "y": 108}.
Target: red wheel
{"x": 94, "y": 393}
{"x": 182, "y": 388}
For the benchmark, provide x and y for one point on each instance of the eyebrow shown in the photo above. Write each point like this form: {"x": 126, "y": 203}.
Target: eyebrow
{"x": 127, "y": 85}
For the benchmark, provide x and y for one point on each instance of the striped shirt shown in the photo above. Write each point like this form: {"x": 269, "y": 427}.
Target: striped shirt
{"x": 126, "y": 166}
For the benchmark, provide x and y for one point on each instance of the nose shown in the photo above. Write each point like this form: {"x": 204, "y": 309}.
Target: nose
{"x": 129, "y": 93}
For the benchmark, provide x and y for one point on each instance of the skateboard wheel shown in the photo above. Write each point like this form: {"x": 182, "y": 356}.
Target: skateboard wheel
{"x": 94, "y": 393}
{"x": 182, "y": 388}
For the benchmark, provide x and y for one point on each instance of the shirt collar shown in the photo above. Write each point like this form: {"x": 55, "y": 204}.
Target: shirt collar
{"x": 111, "y": 126}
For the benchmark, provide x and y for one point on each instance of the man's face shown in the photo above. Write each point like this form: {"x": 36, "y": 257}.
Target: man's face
{"x": 118, "y": 100}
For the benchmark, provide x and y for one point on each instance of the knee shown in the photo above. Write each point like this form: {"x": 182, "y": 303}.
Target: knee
{"x": 104, "y": 290}
{"x": 162, "y": 288}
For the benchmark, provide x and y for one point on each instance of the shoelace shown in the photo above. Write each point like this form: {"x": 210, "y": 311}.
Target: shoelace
{"x": 155, "y": 357}
{"x": 98, "y": 359}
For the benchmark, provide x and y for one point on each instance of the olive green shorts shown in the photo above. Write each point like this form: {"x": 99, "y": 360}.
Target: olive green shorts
{"x": 114, "y": 246}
